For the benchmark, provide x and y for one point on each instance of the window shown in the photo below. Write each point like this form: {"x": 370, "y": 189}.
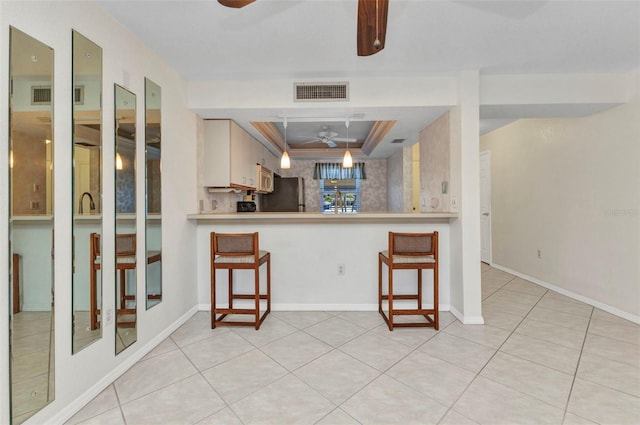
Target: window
{"x": 341, "y": 194}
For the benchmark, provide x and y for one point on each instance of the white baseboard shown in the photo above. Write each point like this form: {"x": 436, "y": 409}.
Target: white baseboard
{"x": 321, "y": 307}
{"x": 602, "y": 306}
{"x": 467, "y": 320}
{"x": 77, "y": 404}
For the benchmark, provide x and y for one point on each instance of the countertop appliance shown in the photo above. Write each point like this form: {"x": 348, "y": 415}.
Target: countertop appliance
{"x": 245, "y": 206}
{"x": 287, "y": 195}
{"x": 265, "y": 179}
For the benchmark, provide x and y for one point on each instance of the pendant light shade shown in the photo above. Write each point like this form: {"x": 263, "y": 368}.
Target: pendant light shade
{"x": 347, "y": 161}
{"x": 285, "y": 163}
{"x": 119, "y": 165}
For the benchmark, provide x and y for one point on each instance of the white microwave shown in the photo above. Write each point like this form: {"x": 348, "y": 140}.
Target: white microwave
{"x": 265, "y": 179}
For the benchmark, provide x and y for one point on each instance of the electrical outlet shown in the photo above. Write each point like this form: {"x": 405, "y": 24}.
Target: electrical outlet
{"x": 454, "y": 203}
{"x": 35, "y": 205}
{"x": 341, "y": 270}
{"x": 109, "y": 316}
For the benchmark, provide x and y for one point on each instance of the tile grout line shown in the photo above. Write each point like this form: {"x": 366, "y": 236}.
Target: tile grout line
{"x": 115, "y": 390}
{"x": 491, "y": 358}
{"x": 575, "y": 374}
{"x": 199, "y": 372}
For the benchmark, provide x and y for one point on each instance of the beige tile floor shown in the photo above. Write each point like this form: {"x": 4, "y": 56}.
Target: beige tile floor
{"x": 32, "y": 371}
{"x": 540, "y": 358}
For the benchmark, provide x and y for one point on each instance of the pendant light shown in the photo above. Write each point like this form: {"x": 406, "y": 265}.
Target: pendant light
{"x": 119, "y": 165}
{"x": 347, "y": 161}
{"x": 377, "y": 44}
{"x": 285, "y": 163}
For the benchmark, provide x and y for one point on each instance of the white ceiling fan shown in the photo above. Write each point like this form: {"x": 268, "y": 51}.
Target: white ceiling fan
{"x": 329, "y": 138}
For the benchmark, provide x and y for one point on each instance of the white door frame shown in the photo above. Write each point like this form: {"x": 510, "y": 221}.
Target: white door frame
{"x": 485, "y": 216}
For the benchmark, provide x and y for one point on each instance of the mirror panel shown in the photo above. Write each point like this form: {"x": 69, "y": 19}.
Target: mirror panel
{"x": 125, "y": 238}
{"x": 87, "y": 191}
{"x": 153, "y": 171}
{"x": 31, "y": 225}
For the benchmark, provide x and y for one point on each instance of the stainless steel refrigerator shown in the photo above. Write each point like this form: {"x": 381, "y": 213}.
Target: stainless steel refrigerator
{"x": 287, "y": 195}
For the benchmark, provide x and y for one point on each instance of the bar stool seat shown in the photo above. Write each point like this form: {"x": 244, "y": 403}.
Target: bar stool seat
{"x": 233, "y": 251}
{"x": 415, "y": 251}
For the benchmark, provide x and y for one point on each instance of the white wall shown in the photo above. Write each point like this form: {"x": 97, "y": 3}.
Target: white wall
{"x": 435, "y": 145}
{"x": 126, "y": 61}
{"x": 571, "y": 189}
{"x": 400, "y": 181}
{"x": 305, "y": 257}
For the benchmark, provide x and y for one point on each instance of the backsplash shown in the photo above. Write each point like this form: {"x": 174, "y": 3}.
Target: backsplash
{"x": 373, "y": 189}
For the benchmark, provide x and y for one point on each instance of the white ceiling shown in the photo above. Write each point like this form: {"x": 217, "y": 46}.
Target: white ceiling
{"x": 315, "y": 39}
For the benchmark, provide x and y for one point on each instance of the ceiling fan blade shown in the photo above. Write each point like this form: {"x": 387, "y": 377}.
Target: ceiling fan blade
{"x": 237, "y": 4}
{"x": 329, "y": 134}
{"x": 368, "y": 32}
{"x": 331, "y": 144}
{"x": 344, "y": 139}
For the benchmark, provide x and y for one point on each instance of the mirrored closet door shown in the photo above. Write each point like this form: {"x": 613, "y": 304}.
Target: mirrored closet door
{"x": 125, "y": 202}
{"x": 87, "y": 192}
{"x": 153, "y": 172}
{"x": 31, "y": 225}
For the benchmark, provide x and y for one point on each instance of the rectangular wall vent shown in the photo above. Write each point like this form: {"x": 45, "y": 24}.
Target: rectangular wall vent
{"x": 321, "y": 92}
{"x": 41, "y": 95}
{"x": 78, "y": 95}
{"x": 398, "y": 140}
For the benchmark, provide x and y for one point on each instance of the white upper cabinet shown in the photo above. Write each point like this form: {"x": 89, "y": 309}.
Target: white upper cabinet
{"x": 229, "y": 156}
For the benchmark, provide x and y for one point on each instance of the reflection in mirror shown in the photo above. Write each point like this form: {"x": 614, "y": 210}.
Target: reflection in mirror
{"x": 31, "y": 225}
{"x": 125, "y": 172}
{"x": 87, "y": 191}
{"x": 152, "y": 134}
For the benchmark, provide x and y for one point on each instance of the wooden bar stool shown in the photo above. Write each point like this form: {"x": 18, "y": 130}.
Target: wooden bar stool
{"x": 416, "y": 251}
{"x": 239, "y": 251}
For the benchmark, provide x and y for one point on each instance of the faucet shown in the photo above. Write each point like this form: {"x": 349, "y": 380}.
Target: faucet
{"x": 92, "y": 206}
{"x": 338, "y": 200}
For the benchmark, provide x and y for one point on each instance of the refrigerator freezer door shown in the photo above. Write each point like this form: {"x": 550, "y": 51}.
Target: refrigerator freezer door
{"x": 287, "y": 196}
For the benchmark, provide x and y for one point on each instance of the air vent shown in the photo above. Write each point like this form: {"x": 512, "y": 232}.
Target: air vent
{"x": 41, "y": 95}
{"x": 398, "y": 140}
{"x": 321, "y": 92}
{"x": 78, "y": 95}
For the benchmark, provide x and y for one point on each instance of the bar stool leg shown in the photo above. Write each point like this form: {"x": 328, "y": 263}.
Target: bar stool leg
{"x": 230, "y": 288}
{"x": 256, "y": 276}
{"x": 269, "y": 284}
{"x": 419, "y": 289}
{"x": 122, "y": 288}
{"x": 436, "y": 312}
{"x": 390, "y": 269}
{"x": 213, "y": 298}
{"x": 379, "y": 285}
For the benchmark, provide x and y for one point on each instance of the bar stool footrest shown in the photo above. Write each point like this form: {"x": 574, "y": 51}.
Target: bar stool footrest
{"x": 221, "y": 322}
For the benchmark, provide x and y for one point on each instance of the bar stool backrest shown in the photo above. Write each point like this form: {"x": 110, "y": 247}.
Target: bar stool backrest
{"x": 413, "y": 244}
{"x": 125, "y": 244}
{"x": 235, "y": 244}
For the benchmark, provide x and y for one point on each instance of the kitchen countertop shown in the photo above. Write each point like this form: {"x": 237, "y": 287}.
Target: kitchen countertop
{"x": 317, "y": 217}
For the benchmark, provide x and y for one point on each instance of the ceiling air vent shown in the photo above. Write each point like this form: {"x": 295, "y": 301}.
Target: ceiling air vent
{"x": 398, "y": 140}
{"x": 321, "y": 92}
{"x": 41, "y": 95}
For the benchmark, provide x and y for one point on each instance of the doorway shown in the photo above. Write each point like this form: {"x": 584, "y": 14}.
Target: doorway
{"x": 485, "y": 207}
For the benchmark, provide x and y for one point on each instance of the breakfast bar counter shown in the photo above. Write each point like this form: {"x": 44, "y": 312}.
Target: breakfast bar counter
{"x": 324, "y": 261}
{"x": 316, "y": 217}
